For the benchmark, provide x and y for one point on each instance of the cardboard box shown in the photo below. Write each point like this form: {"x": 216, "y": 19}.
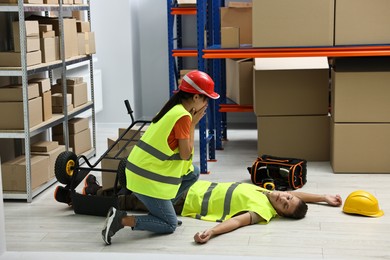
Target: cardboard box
{"x": 360, "y": 147}
{"x": 239, "y": 18}
{"x": 285, "y": 23}
{"x": 70, "y": 34}
{"x": 49, "y": 34}
{"x": 368, "y": 23}
{"x": 13, "y": 59}
{"x": 120, "y": 144}
{"x": 52, "y": 155}
{"x": 43, "y": 84}
{"x": 58, "y": 100}
{"x": 44, "y": 146}
{"x": 78, "y": 91}
{"x": 32, "y": 44}
{"x": 134, "y": 133}
{"x": 14, "y": 173}
{"x": 75, "y": 125}
{"x": 81, "y": 142}
{"x": 15, "y": 120}
{"x": 239, "y": 81}
{"x": 230, "y": 37}
{"x": 108, "y": 177}
{"x": 291, "y": 86}
{"x": 45, "y": 27}
{"x": 304, "y": 137}
{"x": 71, "y": 80}
{"x": 61, "y": 109}
{"x": 48, "y": 49}
{"x": 32, "y": 29}
{"x": 47, "y": 107}
{"x": 360, "y": 90}
{"x": 15, "y": 92}
{"x": 86, "y": 43}
{"x": 50, "y": 1}
{"x": 83, "y": 26}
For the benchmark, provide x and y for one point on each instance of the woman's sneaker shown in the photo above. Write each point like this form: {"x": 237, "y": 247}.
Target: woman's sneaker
{"x": 91, "y": 186}
{"x": 113, "y": 224}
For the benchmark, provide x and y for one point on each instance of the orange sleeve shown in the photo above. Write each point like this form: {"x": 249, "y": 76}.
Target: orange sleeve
{"x": 181, "y": 130}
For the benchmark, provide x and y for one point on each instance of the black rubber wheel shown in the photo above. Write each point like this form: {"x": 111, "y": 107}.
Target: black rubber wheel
{"x": 122, "y": 172}
{"x": 66, "y": 162}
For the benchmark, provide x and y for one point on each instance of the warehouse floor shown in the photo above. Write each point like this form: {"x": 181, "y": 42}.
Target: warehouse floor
{"x": 47, "y": 229}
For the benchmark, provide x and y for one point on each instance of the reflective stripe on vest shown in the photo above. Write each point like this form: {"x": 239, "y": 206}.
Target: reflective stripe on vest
{"x": 151, "y": 175}
{"x": 226, "y": 204}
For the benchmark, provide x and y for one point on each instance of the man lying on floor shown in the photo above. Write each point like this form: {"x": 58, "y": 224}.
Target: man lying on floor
{"x": 234, "y": 205}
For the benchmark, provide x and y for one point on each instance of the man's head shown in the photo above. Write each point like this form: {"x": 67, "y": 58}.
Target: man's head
{"x": 287, "y": 205}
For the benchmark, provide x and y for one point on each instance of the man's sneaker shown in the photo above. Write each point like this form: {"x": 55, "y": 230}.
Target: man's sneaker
{"x": 113, "y": 224}
{"x": 91, "y": 186}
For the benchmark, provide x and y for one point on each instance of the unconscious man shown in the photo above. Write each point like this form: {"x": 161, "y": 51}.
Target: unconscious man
{"x": 232, "y": 204}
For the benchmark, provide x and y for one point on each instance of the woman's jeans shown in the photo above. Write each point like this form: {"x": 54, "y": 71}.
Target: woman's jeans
{"x": 162, "y": 216}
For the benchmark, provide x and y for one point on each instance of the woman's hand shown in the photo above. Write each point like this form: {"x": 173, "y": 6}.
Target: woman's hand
{"x": 203, "y": 237}
{"x": 333, "y": 200}
{"x": 198, "y": 115}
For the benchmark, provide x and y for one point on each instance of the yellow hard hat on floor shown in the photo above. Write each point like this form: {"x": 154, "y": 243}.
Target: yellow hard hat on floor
{"x": 363, "y": 203}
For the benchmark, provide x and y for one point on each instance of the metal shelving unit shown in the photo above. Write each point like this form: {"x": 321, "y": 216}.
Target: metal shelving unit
{"x": 24, "y": 71}
{"x": 176, "y": 53}
{"x": 215, "y": 52}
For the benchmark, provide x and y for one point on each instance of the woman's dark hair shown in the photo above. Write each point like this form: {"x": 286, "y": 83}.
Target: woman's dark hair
{"x": 300, "y": 211}
{"x": 177, "y": 98}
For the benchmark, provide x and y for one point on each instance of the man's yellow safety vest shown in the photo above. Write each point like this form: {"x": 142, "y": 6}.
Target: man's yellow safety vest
{"x": 153, "y": 169}
{"x": 221, "y": 201}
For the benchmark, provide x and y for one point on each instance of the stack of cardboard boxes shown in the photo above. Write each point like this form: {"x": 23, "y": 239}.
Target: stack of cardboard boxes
{"x": 360, "y": 140}
{"x": 79, "y": 135}
{"x": 12, "y": 108}
{"x": 236, "y": 25}
{"x": 44, "y": 92}
{"x": 33, "y": 55}
{"x": 14, "y": 173}
{"x": 86, "y": 38}
{"x": 77, "y": 91}
{"x": 49, "y": 149}
{"x": 284, "y": 23}
{"x": 50, "y": 46}
{"x": 291, "y": 102}
{"x": 119, "y": 150}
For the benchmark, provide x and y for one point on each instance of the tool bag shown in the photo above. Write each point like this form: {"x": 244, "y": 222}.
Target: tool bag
{"x": 278, "y": 173}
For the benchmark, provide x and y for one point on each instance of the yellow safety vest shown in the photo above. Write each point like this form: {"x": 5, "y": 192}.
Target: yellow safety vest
{"x": 221, "y": 201}
{"x": 153, "y": 169}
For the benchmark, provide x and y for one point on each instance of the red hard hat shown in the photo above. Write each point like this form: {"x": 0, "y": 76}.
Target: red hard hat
{"x": 198, "y": 82}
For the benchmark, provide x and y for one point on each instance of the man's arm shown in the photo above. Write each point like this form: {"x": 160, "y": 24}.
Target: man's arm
{"x": 333, "y": 200}
{"x": 224, "y": 227}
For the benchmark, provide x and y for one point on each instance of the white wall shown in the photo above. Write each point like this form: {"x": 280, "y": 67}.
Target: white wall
{"x": 131, "y": 42}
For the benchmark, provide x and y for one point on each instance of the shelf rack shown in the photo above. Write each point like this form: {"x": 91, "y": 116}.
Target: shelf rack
{"x": 215, "y": 52}
{"x": 176, "y": 53}
{"x": 24, "y": 71}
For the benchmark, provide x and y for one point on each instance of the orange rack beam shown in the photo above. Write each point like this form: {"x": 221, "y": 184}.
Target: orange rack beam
{"x": 234, "y": 108}
{"x": 297, "y": 52}
{"x": 183, "y": 11}
{"x": 185, "y": 53}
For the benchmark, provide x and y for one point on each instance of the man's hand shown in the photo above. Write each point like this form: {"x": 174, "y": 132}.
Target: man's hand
{"x": 333, "y": 200}
{"x": 203, "y": 237}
